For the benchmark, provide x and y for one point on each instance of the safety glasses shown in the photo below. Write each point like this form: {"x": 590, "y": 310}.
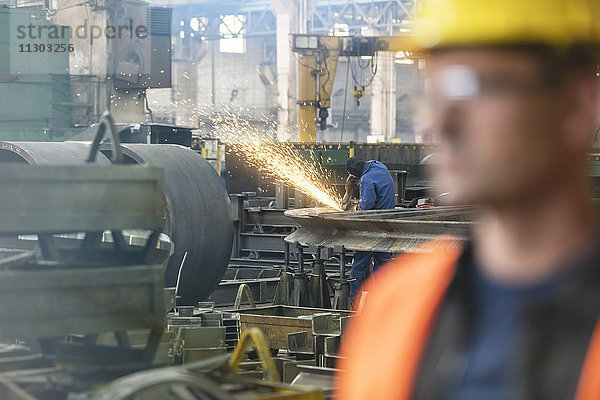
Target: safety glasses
{"x": 460, "y": 83}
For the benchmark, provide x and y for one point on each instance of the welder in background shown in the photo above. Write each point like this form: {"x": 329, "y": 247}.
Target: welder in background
{"x": 377, "y": 192}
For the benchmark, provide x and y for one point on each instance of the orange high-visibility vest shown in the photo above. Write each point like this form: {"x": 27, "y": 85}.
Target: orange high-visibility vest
{"x": 382, "y": 346}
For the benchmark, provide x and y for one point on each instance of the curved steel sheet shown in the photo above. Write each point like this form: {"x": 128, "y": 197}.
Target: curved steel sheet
{"x": 395, "y": 231}
{"x": 199, "y": 219}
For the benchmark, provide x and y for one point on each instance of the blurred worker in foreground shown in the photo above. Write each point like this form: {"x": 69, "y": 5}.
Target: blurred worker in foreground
{"x": 377, "y": 192}
{"x": 514, "y": 313}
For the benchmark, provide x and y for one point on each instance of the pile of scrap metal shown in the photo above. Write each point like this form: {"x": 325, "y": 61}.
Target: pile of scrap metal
{"x": 200, "y": 332}
{"x": 312, "y": 362}
{"x": 222, "y": 377}
{"x": 63, "y": 285}
{"x": 216, "y": 378}
{"x": 305, "y": 339}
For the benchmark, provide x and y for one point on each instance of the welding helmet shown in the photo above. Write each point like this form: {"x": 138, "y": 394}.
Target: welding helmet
{"x": 355, "y": 166}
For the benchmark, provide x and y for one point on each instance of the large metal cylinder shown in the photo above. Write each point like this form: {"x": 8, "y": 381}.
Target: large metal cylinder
{"x": 198, "y": 216}
{"x": 199, "y": 219}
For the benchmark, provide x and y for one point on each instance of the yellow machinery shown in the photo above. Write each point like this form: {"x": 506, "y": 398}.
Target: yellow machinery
{"x": 318, "y": 61}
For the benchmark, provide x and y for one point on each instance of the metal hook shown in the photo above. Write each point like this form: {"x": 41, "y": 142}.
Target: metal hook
{"x": 106, "y": 123}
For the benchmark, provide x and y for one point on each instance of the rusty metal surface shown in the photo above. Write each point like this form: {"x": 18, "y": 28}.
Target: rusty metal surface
{"x": 393, "y": 231}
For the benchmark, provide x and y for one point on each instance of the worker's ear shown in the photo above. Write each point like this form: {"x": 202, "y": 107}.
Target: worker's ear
{"x": 582, "y": 115}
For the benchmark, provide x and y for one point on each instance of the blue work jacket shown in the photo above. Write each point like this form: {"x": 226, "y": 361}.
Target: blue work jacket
{"x": 377, "y": 190}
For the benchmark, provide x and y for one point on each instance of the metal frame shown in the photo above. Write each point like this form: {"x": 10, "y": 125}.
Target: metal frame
{"x": 388, "y": 15}
{"x": 260, "y": 19}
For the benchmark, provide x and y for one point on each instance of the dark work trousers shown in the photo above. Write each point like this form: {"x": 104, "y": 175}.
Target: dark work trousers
{"x": 360, "y": 268}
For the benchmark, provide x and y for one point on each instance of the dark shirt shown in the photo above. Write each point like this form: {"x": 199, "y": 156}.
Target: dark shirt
{"x": 377, "y": 190}
{"x": 495, "y": 332}
{"x": 547, "y": 345}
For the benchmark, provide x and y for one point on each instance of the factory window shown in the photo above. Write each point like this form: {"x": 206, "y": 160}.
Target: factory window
{"x": 232, "y": 32}
{"x": 199, "y": 24}
{"x": 340, "y": 30}
{"x": 195, "y": 24}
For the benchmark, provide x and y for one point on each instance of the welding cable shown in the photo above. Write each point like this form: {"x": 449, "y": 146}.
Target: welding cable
{"x": 345, "y": 100}
{"x": 328, "y": 77}
{"x": 304, "y": 65}
{"x": 374, "y": 66}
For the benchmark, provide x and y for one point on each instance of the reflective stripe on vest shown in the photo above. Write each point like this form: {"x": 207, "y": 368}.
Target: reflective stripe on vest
{"x": 382, "y": 347}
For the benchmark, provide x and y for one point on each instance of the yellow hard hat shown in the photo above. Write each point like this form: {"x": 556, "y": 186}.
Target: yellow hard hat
{"x": 558, "y": 23}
